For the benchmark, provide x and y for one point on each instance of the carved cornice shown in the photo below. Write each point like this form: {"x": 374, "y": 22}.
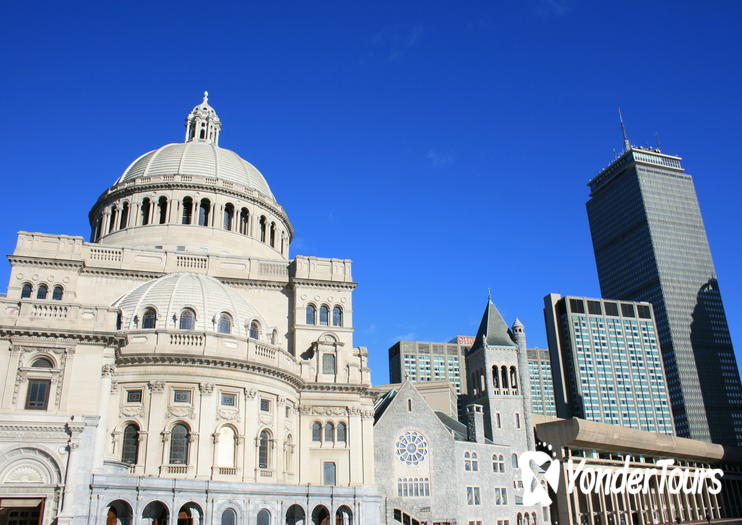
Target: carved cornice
{"x": 336, "y": 411}
{"x": 337, "y": 387}
{"x": 45, "y": 261}
{"x": 60, "y": 335}
{"x": 317, "y": 283}
{"x": 215, "y": 362}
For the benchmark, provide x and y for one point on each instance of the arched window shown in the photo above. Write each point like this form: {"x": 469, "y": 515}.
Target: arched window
{"x": 225, "y": 447}
{"x": 145, "y": 212}
{"x": 262, "y": 228}
{"x": 496, "y": 377}
{"x": 342, "y": 433}
{"x": 57, "y": 293}
{"x": 273, "y": 235}
{"x": 130, "y": 445}
{"x": 26, "y": 291}
{"x": 204, "y": 210}
{"x": 328, "y": 364}
{"x": 112, "y": 219}
{"x": 337, "y": 316}
{"x": 225, "y": 323}
{"x": 504, "y": 375}
{"x": 311, "y": 314}
{"x": 124, "y": 220}
{"x": 264, "y": 449}
{"x": 520, "y": 519}
{"x": 179, "y": 437}
{"x": 317, "y": 431}
{"x": 474, "y": 462}
{"x": 149, "y": 318}
{"x": 513, "y": 378}
{"x": 187, "y": 319}
{"x": 514, "y": 460}
{"x": 244, "y": 220}
{"x": 295, "y": 515}
{"x": 228, "y": 216}
{"x": 229, "y": 517}
{"x": 264, "y": 517}
{"x": 162, "y": 209}
{"x": 42, "y": 292}
{"x": 274, "y": 336}
{"x": 324, "y": 315}
{"x": 467, "y": 461}
{"x": 42, "y": 362}
{"x": 329, "y": 433}
{"x": 187, "y": 211}
{"x": 255, "y": 330}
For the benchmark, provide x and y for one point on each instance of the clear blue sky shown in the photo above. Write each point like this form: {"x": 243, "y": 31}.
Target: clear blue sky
{"x": 443, "y": 146}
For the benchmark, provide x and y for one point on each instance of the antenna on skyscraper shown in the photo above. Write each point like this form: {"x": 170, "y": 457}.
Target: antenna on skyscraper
{"x": 626, "y": 143}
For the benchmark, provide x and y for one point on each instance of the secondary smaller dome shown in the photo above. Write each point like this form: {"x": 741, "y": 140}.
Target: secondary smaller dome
{"x": 169, "y": 296}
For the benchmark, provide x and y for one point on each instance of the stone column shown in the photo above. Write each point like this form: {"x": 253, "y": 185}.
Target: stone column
{"x": 103, "y": 399}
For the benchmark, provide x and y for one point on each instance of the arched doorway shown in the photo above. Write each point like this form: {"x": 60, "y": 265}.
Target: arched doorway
{"x": 320, "y": 515}
{"x": 344, "y": 516}
{"x": 119, "y": 513}
{"x": 155, "y": 513}
{"x": 295, "y": 515}
{"x": 264, "y": 517}
{"x": 189, "y": 514}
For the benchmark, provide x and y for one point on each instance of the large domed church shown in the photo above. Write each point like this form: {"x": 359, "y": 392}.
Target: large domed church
{"x": 180, "y": 365}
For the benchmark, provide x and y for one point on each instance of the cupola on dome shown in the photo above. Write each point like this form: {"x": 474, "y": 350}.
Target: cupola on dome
{"x": 199, "y": 156}
{"x": 202, "y": 296}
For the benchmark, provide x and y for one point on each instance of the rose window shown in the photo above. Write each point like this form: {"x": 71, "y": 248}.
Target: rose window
{"x": 412, "y": 448}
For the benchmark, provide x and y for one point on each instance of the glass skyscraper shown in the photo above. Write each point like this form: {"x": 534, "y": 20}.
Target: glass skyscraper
{"x": 650, "y": 245}
{"x": 607, "y": 363}
{"x": 542, "y": 385}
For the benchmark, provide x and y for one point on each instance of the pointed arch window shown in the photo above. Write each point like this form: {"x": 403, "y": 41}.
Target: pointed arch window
{"x": 204, "y": 211}
{"x": 179, "y": 437}
{"x": 145, "y": 211}
{"x": 255, "y": 330}
{"x": 187, "y": 211}
{"x": 228, "y": 216}
{"x": 57, "y": 293}
{"x": 324, "y": 315}
{"x": 162, "y": 209}
{"x": 311, "y": 314}
{"x": 264, "y": 449}
{"x": 244, "y": 220}
{"x": 225, "y": 323}
{"x": 187, "y": 319}
{"x": 130, "y": 445}
{"x": 26, "y": 291}
{"x": 149, "y": 319}
{"x": 337, "y": 316}
{"x": 42, "y": 292}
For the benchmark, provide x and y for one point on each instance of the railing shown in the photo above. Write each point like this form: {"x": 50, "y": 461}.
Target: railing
{"x": 227, "y": 471}
{"x": 192, "y": 262}
{"x": 50, "y": 311}
{"x": 186, "y": 339}
{"x": 264, "y": 351}
{"x": 106, "y": 254}
{"x": 265, "y": 473}
{"x": 176, "y": 469}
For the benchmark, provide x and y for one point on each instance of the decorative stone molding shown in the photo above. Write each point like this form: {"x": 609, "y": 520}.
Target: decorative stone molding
{"x": 107, "y": 370}
{"x": 114, "y": 386}
{"x": 206, "y": 388}
{"x": 180, "y": 411}
{"x": 228, "y": 414}
{"x": 156, "y": 387}
{"x": 250, "y": 393}
{"x": 132, "y": 411}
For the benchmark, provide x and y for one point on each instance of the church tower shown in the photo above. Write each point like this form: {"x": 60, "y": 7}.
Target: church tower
{"x": 498, "y": 380}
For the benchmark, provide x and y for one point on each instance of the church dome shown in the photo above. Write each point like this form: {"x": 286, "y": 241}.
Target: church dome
{"x": 197, "y": 159}
{"x": 203, "y": 295}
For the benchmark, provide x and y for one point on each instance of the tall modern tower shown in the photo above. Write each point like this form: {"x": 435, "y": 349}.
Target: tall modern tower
{"x": 650, "y": 245}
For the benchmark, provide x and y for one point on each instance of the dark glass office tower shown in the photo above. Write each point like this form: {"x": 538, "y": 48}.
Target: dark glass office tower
{"x": 650, "y": 245}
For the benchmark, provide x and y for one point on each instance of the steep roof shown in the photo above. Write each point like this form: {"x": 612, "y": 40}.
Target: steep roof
{"x": 493, "y": 330}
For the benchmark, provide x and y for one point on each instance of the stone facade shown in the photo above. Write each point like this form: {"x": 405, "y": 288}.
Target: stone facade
{"x": 170, "y": 368}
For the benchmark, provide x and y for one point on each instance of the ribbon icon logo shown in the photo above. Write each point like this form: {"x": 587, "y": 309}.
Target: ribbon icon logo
{"x": 532, "y": 466}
